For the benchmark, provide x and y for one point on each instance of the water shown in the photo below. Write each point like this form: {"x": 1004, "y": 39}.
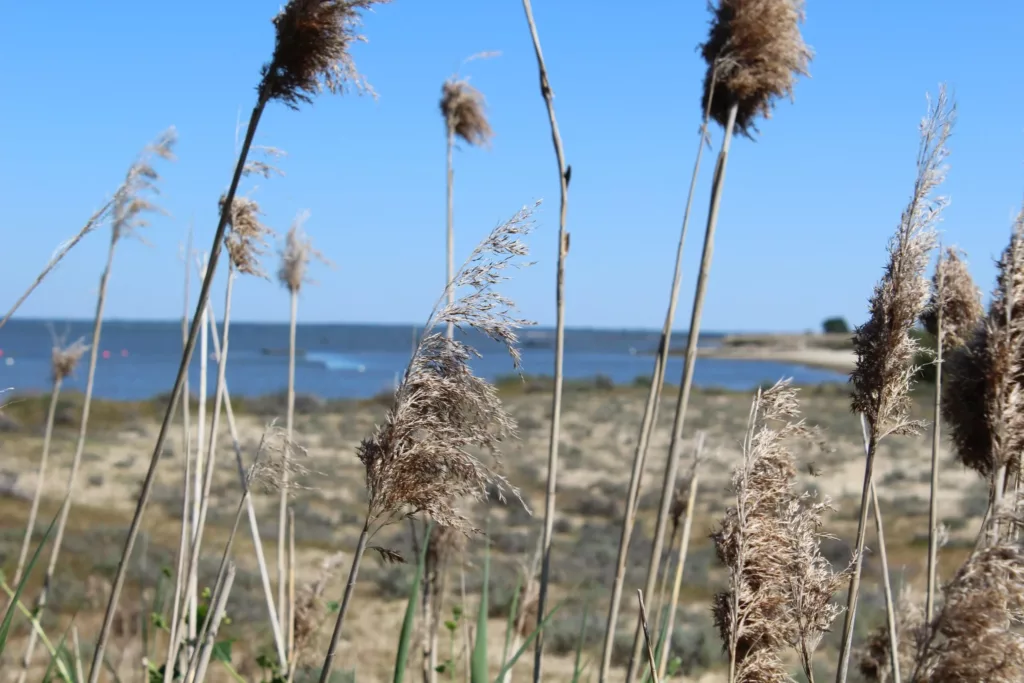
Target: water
{"x": 139, "y": 360}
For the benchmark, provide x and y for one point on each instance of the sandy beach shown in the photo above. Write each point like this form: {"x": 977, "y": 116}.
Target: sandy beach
{"x": 599, "y": 430}
{"x": 828, "y": 352}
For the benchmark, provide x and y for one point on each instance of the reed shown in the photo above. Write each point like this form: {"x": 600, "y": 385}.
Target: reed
{"x": 952, "y": 315}
{"x": 311, "y": 54}
{"x": 296, "y": 255}
{"x": 564, "y": 173}
{"x": 127, "y": 215}
{"x": 754, "y": 53}
{"x": 885, "y": 349}
{"x": 420, "y": 459}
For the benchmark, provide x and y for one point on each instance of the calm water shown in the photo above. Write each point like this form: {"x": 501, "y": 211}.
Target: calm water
{"x": 140, "y": 359}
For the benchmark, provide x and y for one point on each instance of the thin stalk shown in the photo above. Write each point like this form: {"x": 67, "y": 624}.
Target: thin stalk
{"x": 268, "y": 592}
{"x": 37, "y": 628}
{"x": 556, "y": 402}
{"x": 207, "y": 481}
{"x": 282, "y": 507}
{"x": 933, "y": 502}
{"x": 467, "y": 641}
{"x": 650, "y": 417}
{"x": 198, "y": 474}
{"x": 675, "y": 451}
{"x": 291, "y": 583}
{"x": 647, "y": 637}
{"x": 684, "y": 546}
{"x": 174, "y": 641}
{"x": 218, "y": 617}
{"x": 76, "y": 461}
{"x": 147, "y": 484}
{"x": 450, "y": 242}
{"x": 890, "y": 604}
{"x": 58, "y": 382}
{"x": 325, "y": 672}
{"x": 854, "y": 591}
{"x": 80, "y": 675}
{"x": 89, "y": 226}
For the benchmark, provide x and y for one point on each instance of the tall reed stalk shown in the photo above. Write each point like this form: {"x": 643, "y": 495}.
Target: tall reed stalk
{"x": 952, "y": 317}
{"x": 564, "y": 173}
{"x": 310, "y": 55}
{"x": 63, "y": 360}
{"x": 650, "y": 416}
{"x": 754, "y": 52}
{"x": 885, "y": 350}
{"x": 127, "y": 215}
{"x": 420, "y": 459}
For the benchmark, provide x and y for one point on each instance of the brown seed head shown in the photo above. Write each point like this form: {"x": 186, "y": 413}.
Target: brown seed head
{"x": 421, "y": 459}
{"x": 885, "y": 349}
{"x": 983, "y": 399}
{"x": 758, "y": 51}
{"x": 296, "y": 254}
{"x": 780, "y": 587}
{"x": 310, "y": 613}
{"x": 954, "y": 291}
{"x": 130, "y": 202}
{"x": 64, "y": 359}
{"x": 311, "y": 52}
{"x": 873, "y": 656}
{"x": 246, "y": 241}
{"x": 462, "y": 107}
{"x": 976, "y": 634}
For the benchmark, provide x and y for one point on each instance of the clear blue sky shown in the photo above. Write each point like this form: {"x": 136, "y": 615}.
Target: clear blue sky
{"x": 807, "y": 208}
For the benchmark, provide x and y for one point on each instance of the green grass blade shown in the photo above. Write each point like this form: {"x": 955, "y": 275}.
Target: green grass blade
{"x": 510, "y": 626}
{"x": 577, "y": 669}
{"x": 402, "y": 658}
{"x": 661, "y": 643}
{"x": 478, "y": 663}
{"x": 526, "y": 643}
{"x": 5, "y": 626}
{"x": 61, "y": 653}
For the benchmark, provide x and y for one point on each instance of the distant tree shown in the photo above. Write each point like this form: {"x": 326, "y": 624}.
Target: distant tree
{"x": 835, "y": 326}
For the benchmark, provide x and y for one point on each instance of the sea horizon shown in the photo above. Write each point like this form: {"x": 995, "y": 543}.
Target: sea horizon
{"x": 139, "y": 358}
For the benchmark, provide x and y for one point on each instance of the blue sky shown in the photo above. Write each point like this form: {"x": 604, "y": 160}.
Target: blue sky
{"x": 807, "y": 209}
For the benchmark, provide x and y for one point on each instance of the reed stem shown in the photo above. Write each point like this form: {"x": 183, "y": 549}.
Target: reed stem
{"x": 332, "y": 651}
{"x": 282, "y": 509}
{"x": 556, "y": 402}
{"x": 675, "y": 451}
{"x": 933, "y": 501}
{"x": 147, "y": 484}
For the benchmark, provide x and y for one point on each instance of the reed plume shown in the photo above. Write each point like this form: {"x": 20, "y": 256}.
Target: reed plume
{"x": 128, "y": 215}
{"x": 760, "y": 52}
{"x": 780, "y": 586}
{"x": 754, "y": 53}
{"x": 311, "y": 54}
{"x": 984, "y": 399}
{"x": 463, "y": 110}
{"x": 975, "y": 636}
{"x": 952, "y": 317}
{"x": 63, "y": 361}
{"x": 885, "y": 349}
{"x": 246, "y": 242}
{"x": 420, "y": 460}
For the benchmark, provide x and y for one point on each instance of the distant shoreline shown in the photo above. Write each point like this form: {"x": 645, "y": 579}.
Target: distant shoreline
{"x": 821, "y": 351}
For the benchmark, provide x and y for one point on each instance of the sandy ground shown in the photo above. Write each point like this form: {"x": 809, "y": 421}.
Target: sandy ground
{"x": 829, "y": 352}
{"x": 599, "y": 435}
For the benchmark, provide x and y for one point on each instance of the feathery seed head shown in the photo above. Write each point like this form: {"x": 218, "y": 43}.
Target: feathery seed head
{"x": 246, "y": 241}
{"x": 983, "y": 399}
{"x": 885, "y": 350}
{"x": 780, "y": 587}
{"x": 954, "y": 292}
{"x": 874, "y": 660}
{"x": 310, "y": 611}
{"x": 311, "y": 51}
{"x": 130, "y": 202}
{"x": 754, "y": 53}
{"x": 977, "y": 636}
{"x": 279, "y": 462}
{"x": 64, "y": 359}
{"x": 462, "y": 106}
{"x": 420, "y": 459}
{"x": 296, "y": 254}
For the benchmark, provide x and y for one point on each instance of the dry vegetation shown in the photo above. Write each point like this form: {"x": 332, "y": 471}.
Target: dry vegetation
{"x": 155, "y": 569}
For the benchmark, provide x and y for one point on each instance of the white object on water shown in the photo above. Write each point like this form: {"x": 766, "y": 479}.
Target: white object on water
{"x": 8, "y": 361}
{"x": 361, "y": 368}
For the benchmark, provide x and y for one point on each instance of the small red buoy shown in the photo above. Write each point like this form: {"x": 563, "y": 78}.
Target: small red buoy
{"x": 106, "y": 355}
{"x": 124, "y": 353}
{"x": 1, "y": 353}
